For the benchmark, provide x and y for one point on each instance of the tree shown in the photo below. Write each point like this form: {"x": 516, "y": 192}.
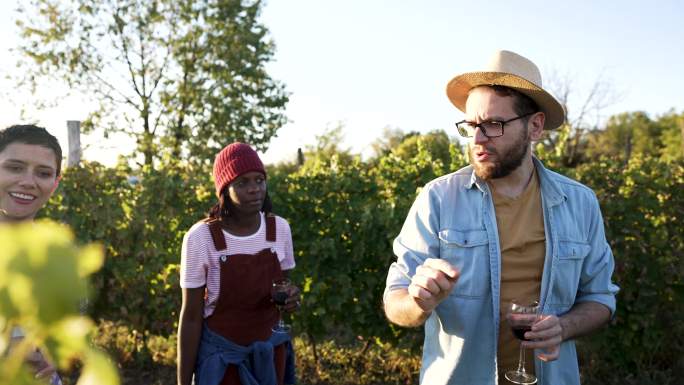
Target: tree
{"x": 183, "y": 77}
{"x": 568, "y": 143}
{"x": 672, "y": 136}
{"x": 328, "y": 151}
{"x": 436, "y": 142}
{"x": 390, "y": 139}
{"x": 635, "y": 133}
{"x": 625, "y": 134}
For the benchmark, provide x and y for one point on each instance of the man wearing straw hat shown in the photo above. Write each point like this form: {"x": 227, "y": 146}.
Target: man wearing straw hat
{"x": 501, "y": 229}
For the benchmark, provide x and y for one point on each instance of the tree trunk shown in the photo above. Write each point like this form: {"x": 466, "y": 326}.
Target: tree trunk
{"x": 178, "y": 137}
{"x": 628, "y": 148}
{"x": 312, "y": 342}
{"x": 148, "y": 135}
{"x": 147, "y": 151}
{"x": 681, "y": 128}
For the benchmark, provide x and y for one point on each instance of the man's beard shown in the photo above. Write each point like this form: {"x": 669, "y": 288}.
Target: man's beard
{"x": 505, "y": 162}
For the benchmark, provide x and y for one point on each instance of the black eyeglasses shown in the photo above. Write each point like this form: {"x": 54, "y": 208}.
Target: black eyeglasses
{"x": 490, "y": 129}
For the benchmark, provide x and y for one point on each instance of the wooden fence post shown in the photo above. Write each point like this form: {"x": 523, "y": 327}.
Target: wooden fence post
{"x": 74, "y": 157}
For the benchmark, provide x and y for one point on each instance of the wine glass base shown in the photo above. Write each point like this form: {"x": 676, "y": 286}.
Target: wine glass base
{"x": 520, "y": 377}
{"x": 281, "y": 329}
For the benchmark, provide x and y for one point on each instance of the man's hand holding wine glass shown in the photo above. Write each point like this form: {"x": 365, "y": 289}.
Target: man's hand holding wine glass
{"x": 546, "y": 335}
{"x": 432, "y": 283}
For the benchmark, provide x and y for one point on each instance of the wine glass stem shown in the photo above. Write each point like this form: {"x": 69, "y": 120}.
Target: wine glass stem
{"x": 521, "y": 360}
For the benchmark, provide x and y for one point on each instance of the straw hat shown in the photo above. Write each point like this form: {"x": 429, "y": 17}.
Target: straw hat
{"x": 510, "y": 70}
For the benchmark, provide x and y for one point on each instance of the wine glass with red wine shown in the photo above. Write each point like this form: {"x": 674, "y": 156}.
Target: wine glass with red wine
{"x": 521, "y": 314}
{"x": 280, "y": 291}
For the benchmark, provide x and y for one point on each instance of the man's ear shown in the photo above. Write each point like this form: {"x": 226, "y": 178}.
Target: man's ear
{"x": 54, "y": 186}
{"x": 536, "y": 126}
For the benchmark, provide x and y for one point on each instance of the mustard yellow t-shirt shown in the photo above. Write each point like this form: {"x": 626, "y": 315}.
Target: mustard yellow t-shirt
{"x": 520, "y": 223}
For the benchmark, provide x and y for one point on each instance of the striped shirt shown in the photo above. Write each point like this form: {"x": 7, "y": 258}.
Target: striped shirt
{"x": 200, "y": 260}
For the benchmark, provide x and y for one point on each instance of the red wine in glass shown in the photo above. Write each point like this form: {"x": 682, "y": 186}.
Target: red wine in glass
{"x": 280, "y": 298}
{"x": 520, "y": 315}
{"x": 519, "y": 332}
{"x": 280, "y": 291}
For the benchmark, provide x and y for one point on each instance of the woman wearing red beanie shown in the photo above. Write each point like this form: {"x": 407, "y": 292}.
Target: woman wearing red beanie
{"x": 229, "y": 330}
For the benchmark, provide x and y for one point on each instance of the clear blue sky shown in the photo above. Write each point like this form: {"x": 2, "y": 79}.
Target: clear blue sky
{"x": 375, "y": 64}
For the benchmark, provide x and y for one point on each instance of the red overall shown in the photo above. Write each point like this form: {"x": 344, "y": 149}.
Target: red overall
{"x": 244, "y": 311}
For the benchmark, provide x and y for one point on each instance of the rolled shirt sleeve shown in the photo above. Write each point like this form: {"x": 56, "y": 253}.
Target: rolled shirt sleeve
{"x": 595, "y": 281}
{"x": 416, "y": 242}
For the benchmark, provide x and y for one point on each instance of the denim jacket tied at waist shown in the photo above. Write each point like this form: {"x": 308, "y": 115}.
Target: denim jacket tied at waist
{"x": 255, "y": 361}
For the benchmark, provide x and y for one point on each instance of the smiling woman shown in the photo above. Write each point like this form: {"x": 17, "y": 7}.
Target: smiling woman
{"x": 29, "y": 171}
{"x": 30, "y": 167}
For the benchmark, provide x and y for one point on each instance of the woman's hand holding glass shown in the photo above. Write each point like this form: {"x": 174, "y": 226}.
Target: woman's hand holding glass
{"x": 292, "y": 303}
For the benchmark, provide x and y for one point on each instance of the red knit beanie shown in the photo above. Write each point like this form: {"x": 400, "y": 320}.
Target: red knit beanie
{"x": 234, "y": 160}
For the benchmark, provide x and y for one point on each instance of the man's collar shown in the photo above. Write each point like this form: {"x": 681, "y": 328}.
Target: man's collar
{"x": 475, "y": 181}
{"x": 550, "y": 189}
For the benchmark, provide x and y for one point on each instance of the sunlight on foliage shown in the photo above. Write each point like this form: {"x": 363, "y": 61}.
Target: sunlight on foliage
{"x": 42, "y": 281}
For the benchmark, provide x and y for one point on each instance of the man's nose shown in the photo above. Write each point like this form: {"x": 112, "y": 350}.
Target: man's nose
{"x": 479, "y": 136}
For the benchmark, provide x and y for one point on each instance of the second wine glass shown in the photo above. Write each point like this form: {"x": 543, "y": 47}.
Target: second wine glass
{"x": 280, "y": 291}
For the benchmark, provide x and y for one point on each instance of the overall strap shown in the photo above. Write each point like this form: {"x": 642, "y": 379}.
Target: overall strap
{"x": 270, "y": 227}
{"x": 217, "y": 234}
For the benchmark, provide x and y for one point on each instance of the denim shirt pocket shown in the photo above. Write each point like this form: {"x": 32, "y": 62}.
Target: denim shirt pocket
{"x": 468, "y": 252}
{"x": 568, "y": 270}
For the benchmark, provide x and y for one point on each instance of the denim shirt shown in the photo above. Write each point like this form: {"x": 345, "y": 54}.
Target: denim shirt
{"x": 453, "y": 219}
